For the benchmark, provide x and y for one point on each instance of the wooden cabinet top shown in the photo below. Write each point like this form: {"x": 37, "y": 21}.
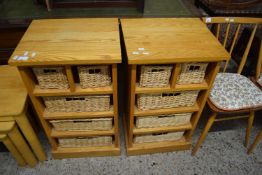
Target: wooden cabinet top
{"x": 169, "y": 40}
{"x": 69, "y": 41}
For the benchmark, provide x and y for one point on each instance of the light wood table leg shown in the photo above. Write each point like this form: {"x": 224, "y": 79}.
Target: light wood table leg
{"x": 47, "y": 2}
{"x": 204, "y": 133}
{"x": 249, "y": 127}
{"x": 30, "y": 135}
{"x": 22, "y": 146}
{"x": 13, "y": 150}
{"x": 257, "y": 139}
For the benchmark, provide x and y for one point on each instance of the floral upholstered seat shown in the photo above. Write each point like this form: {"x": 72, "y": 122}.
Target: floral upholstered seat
{"x": 234, "y": 92}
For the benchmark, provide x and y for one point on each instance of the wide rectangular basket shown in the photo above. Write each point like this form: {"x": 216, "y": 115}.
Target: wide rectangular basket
{"x": 82, "y": 124}
{"x": 51, "y": 78}
{"x": 77, "y": 103}
{"x": 166, "y": 100}
{"x": 170, "y": 136}
{"x": 85, "y": 141}
{"x": 94, "y": 76}
{"x": 192, "y": 73}
{"x": 155, "y": 76}
{"x": 163, "y": 120}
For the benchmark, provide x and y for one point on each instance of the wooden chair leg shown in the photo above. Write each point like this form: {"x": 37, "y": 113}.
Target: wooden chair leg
{"x": 13, "y": 150}
{"x": 22, "y": 146}
{"x": 249, "y": 127}
{"x": 204, "y": 133}
{"x": 30, "y": 135}
{"x": 47, "y": 2}
{"x": 257, "y": 139}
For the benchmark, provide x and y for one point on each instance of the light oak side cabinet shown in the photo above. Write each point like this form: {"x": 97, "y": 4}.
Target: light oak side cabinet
{"x": 172, "y": 64}
{"x": 69, "y": 67}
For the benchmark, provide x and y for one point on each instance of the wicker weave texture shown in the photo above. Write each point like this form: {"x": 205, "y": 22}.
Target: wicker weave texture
{"x": 85, "y": 141}
{"x": 171, "y": 136}
{"x": 77, "y": 103}
{"x": 163, "y": 120}
{"x": 82, "y": 124}
{"x": 51, "y": 78}
{"x": 192, "y": 73}
{"x": 170, "y": 100}
{"x": 155, "y": 76}
{"x": 94, "y": 76}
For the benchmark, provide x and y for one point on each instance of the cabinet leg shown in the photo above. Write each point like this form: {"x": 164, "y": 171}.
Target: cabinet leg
{"x": 204, "y": 133}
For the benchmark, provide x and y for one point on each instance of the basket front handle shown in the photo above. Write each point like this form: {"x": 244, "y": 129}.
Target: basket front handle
{"x": 163, "y": 116}
{"x": 82, "y": 121}
{"x": 194, "y": 68}
{"x": 156, "y": 134}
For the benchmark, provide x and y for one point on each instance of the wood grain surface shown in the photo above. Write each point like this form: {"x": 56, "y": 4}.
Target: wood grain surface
{"x": 70, "y": 41}
{"x": 170, "y": 40}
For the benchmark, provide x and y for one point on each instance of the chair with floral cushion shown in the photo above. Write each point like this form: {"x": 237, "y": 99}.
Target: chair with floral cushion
{"x": 232, "y": 93}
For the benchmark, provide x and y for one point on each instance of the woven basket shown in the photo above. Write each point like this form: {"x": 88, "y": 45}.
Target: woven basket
{"x": 155, "y": 76}
{"x": 163, "y": 120}
{"x": 51, "y": 78}
{"x": 94, "y": 76}
{"x": 170, "y": 100}
{"x": 170, "y": 136}
{"x": 82, "y": 124}
{"x": 85, "y": 141}
{"x": 192, "y": 73}
{"x": 77, "y": 103}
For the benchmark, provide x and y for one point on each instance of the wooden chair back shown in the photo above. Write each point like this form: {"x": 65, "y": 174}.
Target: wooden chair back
{"x": 240, "y": 23}
{"x": 259, "y": 62}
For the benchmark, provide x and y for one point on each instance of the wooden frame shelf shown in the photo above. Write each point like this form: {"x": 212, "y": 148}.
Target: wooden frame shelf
{"x": 162, "y": 129}
{"x": 58, "y": 134}
{"x": 167, "y": 41}
{"x": 77, "y": 91}
{"x": 95, "y": 41}
{"x": 155, "y": 147}
{"x": 61, "y": 153}
{"x": 178, "y": 87}
{"x": 70, "y": 115}
{"x": 166, "y": 111}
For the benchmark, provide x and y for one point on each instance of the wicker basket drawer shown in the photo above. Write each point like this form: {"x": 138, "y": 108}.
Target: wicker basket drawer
{"x": 155, "y": 76}
{"x": 163, "y": 120}
{"x": 85, "y": 141}
{"x": 192, "y": 73}
{"x": 170, "y": 100}
{"x": 51, "y": 78}
{"x": 77, "y": 103}
{"x": 170, "y": 136}
{"x": 94, "y": 76}
{"x": 82, "y": 124}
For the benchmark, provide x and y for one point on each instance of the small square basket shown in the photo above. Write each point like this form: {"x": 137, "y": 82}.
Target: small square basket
{"x": 166, "y": 100}
{"x": 158, "y": 137}
{"x": 99, "y": 124}
{"x": 192, "y": 73}
{"x": 51, "y": 78}
{"x": 163, "y": 120}
{"x": 155, "y": 76}
{"x": 77, "y": 103}
{"x": 85, "y": 141}
{"x": 94, "y": 76}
